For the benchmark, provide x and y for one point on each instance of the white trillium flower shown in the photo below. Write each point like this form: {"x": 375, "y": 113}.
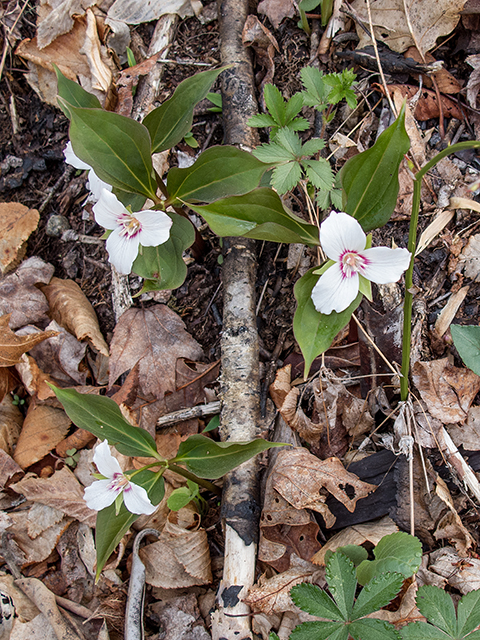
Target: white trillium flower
{"x": 94, "y": 184}
{"x": 129, "y": 230}
{"x": 344, "y": 242}
{"x": 102, "y": 493}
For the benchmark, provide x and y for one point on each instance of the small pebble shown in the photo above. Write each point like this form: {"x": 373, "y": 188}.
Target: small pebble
{"x": 56, "y": 225}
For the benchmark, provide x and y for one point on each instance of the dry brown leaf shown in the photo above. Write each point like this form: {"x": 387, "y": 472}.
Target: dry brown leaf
{"x": 469, "y": 260}
{"x": 18, "y": 222}
{"x": 138, "y": 11}
{"x": 127, "y": 80}
{"x": 460, "y": 572}
{"x": 21, "y": 298}
{"x": 70, "y": 307}
{"x": 9, "y": 469}
{"x": 449, "y": 311}
{"x": 34, "y": 380}
{"x": 44, "y": 427}
{"x": 181, "y": 556}
{"x": 371, "y": 532}
{"x": 257, "y": 36}
{"x": 406, "y": 612}
{"x": 155, "y": 338}
{"x": 450, "y": 527}
{"x": 299, "y": 476}
{"x": 467, "y": 435}
{"x": 447, "y": 390}
{"x": 277, "y": 10}
{"x": 427, "y": 105}
{"x": 12, "y": 346}
{"x": 57, "y": 17}
{"x": 473, "y": 85}
{"x": 434, "y": 228}
{"x": 446, "y": 83}
{"x": 429, "y": 20}
{"x": 24, "y": 608}
{"x": 61, "y": 491}
{"x": 8, "y": 381}
{"x": 11, "y": 420}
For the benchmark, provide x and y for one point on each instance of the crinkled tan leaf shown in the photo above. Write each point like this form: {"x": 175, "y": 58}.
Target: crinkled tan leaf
{"x": 70, "y": 307}
{"x": 277, "y": 10}
{"x": 34, "y": 379}
{"x": 36, "y": 548}
{"x": 44, "y": 427}
{"x": 9, "y": 469}
{"x": 56, "y": 18}
{"x": 460, "y": 572}
{"x": 12, "y": 347}
{"x": 138, "y": 11}
{"x": 450, "y": 526}
{"x": 468, "y": 434}
{"x": 11, "y": 420}
{"x": 18, "y": 222}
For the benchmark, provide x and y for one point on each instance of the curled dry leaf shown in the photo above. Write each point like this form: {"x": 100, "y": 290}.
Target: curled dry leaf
{"x": 70, "y": 307}
{"x": 447, "y": 390}
{"x": 19, "y": 295}
{"x": 467, "y": 435}
{"x": 56, "y": 18}
{"x": 450, "y": 526}
{"x": 8, "y": 381}
{"x": 473, "y": 84}
{"x": 127, "y": 80}
{"x": 258, "y": 37}
{"x": 460, "y": 572}
{"x": 11, "y": 420}
{"x": 406, "y": 612}
{"x": 34, "y": 380}
{"x": 18, "y": 222}
{"x": 469, "y": 260}
{"x": 12, "y": 346}
{"x": 44, "y": 427}
{"x": 446, "y": 83}
{"x": 9, "y": 469}
{"x": 137, "y": 11}
{"x": 277, "y": 10}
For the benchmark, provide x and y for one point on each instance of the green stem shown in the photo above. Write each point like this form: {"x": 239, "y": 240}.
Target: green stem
{"x": 191, "y": 476}
{"x": 412, "y": 245}
{"x": 304, "y": 21}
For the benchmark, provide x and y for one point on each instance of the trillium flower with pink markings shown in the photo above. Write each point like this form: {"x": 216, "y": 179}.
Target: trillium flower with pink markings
{"x": 94, "y": 184}
{"x": 114, "y": 482}
{"x": 129, "y": 230}
{"x": 352, "y": 264}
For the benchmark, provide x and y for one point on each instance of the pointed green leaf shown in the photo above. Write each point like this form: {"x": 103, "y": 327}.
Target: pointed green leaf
{"x": 467, "y": 342}
{"x": 293, "y": 108}
{"x": 353, "y": 551}
{"x": 312, "y": 146}
{"x": 286, "y": 176}
{"x": 423, "y": 631}
{"x": 370, "y": 179}
{"x": 74, "y": 94}
{"x": 261, "y": 120}
{"x": 320, "y": 173}
{"x": 320, "y": 631}
{"x": 117, "y": 148}
{"x": 341, "y": 580}
{"x": 398, "y": 552}
{"x": 299, "y": 124}
{"x": 259, "y": 214}
{"x": 373, "y": 629}
{"x": 290, "y": 141}
{"x": 437, "y": 606}
{"x": 169, "y": 123}
{"x": 468, "y": 612}
{"x": 102, "y": 417}
{"x": 219, "y": 172}
{"x": 315, "y": 331}
{"x": 314, "y": 601}
{"x": 379, "y": 592}
{"x": 316, "y": 90}
{"x": 208, "y": 459}
{"x": 275, "y": 104}
{"x": 273, "y": 152}
{"x": 163, "y": 266}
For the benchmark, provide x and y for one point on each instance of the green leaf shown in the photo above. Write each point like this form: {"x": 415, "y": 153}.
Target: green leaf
{"x": 179, "y": 498}
{"x": 102, "y": 417}
{"x": 312, "y": 146}
{"x": 116, "y": 147}
{"x": 373, "y": 629}
{"x": 423, "y": 631}
{"x": 290, "y": 141}
{"x": 275, "y": 104}
{"x": 370, "y": 179}
{"x": 293, "y": 108}
{"x": 169, "y": 123}
{"x": 320, "y": 173}
{"x": 213, "y": 424}
{"x": 259, "y": 214}
{"x": 398, "y": 552}
{"x": 208, "y": 459}
{"x": 74, "y": 94}
{"x": 286, "y": 176}
{"x": 341, "y": 580}
{"x": 273, "y": 152}
{"x": 437, "y": 606}
{"x": 216, "y": 99}
{"x": 163, "y": 266}
{"x": 353, "y": 551}
{"x": 261, "y": 120}
{"x": 379, "y": 592}
{"x": 320, "y": 631}
{"x": 308, "y": 5}
{"x": 110, "y": 529}
{"x": 468, "y": 612}
{"x": 219, "y": 172}
{"x": 315, "y": 331}
{"x": 316, "y": 91}
{"x": 467, "y": 342}
{"x": 316, "y": 602}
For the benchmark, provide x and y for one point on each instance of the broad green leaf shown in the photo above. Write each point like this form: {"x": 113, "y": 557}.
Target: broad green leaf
{"x": 320, "y": 173}
{"x": 290, "y": 141}
{"x": 379, "y": 592}
{"x": 259, "y": 214}
{"x": 423, "y": 631}
{"x": 116, "y": 147}
{"x": 275, "y": 104}
{"x": 326, "y": 10}
{"x": 286, "y": 176}
{"x": 315, "y": 331}
{"x": 353, "y": 551}
{"x": 370, "y": 179}
{"x": 373, "y": 629}
{"x": 468, "y": 612}
{"x": 293, "y": 108}
{"x": 128, "y": 199}
{"x": 163, "y": 266}
{"x": 102, "y": 417}
{"x": 74, "y": 94}
{"x": 308, "y": 5}
{"x": 219, "y": 172}
{"x": 313, "y": 146}
{"x": 313, "y": 600}
{"x": 316, "y": 91}
{"x": 320, "y": 631}
{"x": 179, "y": 498}
{"x": 466, "y": 339}
{"x": 398, "y": 552}
{"x": 341, "y": 580}
{"x": 438, "y": 608}
{"x": 173, "y": 119}
{"x": 208, "y": 459}
{"x": 216, "y": 99}
{"x": 110, "y": 529}
{"x": 273, "y": 152}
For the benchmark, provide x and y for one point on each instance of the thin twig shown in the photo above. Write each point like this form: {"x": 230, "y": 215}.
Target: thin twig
{"x": 380, "y": 70}
{"x": 199, "y": 411}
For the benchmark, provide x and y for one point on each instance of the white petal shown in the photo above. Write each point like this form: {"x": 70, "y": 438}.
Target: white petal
{"x": 136, "y": 499}
{"x": 108, "y": 209}
{"x": 334, "y": 292}
{"x": 97, "y": 495}
{"x": 95, "y": 185}
{"x": 384, "y": 264}
{"x": 106, "y": 463}
{"x": 71, "y": 158}
{"x": 340, "y": 232}
{"x": 122, "y": 251}
{"x": 155, "y": 227}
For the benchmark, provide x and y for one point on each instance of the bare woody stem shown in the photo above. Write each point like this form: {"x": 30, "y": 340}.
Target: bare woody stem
{"x": 412, "y": 245}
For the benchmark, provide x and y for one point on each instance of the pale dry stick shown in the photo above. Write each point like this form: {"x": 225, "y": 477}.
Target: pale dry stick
{"x": 321, "y": 257}
{"x": 380, "y": 69}
{"x": 200, "y": 411}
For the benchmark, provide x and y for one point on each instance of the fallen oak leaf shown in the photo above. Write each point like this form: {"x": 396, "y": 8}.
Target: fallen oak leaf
{"x": 12, "y": 347}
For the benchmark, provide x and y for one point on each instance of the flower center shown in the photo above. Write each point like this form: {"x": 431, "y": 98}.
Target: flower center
{"x": 130, "y": 226}
{"x": 351, "y": 262}
{"x": 119, "y": 482}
